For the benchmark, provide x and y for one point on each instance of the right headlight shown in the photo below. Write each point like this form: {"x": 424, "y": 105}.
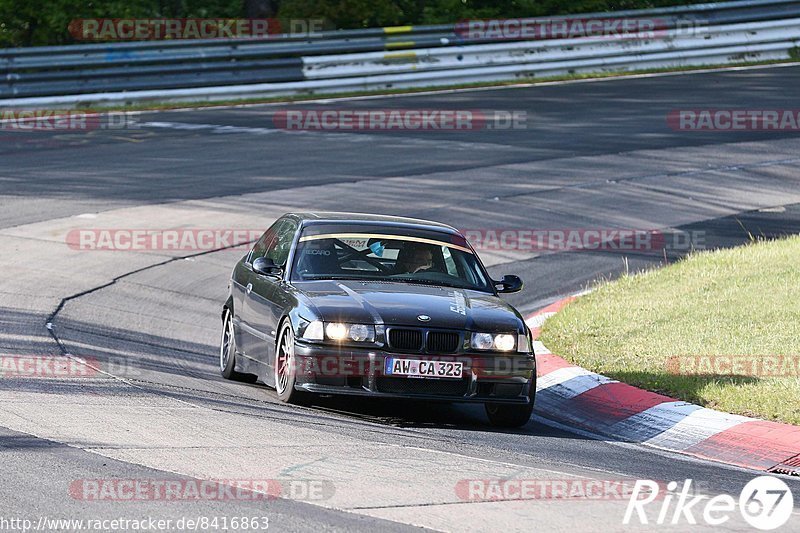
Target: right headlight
{"x": 501, "y": 342}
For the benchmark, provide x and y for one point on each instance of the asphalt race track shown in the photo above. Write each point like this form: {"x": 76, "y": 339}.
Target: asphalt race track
{"x": 593, "y": 155}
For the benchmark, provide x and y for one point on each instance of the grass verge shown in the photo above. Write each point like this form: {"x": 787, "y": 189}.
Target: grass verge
{"x": 720, "y": 329}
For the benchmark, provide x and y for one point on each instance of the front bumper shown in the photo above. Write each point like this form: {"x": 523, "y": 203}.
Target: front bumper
{"x": 360, "y": 372}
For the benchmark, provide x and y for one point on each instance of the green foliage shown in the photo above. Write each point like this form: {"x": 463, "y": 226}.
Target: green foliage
{"x": 344, "y": 13}
{"x": 366, "y": 13}
{"x": 45, "y": 22}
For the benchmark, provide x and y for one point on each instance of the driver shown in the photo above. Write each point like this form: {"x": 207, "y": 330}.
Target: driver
{"x": 419, "y": 260}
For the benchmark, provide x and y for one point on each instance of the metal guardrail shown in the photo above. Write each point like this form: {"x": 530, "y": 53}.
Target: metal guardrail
{"x": 385, "y": 57}
{"x": 533, "y": 59}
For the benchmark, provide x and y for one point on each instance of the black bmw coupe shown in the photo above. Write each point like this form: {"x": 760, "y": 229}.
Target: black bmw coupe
{"x": 371, "y": 305}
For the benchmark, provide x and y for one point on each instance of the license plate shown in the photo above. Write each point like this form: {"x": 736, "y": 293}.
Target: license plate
{"x": 424, "y": 369}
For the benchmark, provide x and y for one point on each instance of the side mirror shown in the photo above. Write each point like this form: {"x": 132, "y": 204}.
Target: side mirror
{"x": 266, "y": 267}
{"x": 509, "y": 283}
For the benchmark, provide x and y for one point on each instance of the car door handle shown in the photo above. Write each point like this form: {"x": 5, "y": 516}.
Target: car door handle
{"x": 249, "y": 288}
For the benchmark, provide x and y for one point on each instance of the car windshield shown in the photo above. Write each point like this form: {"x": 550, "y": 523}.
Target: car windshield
{"x": 378, "y": 254}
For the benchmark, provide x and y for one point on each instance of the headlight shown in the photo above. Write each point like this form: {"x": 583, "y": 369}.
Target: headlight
{"x": 360, "y": 332}
{"x": 313, "y": 331}
{"x": 337, "y": 331}
{"x": 503, "y": 342}
{"x": 482, "y": 341}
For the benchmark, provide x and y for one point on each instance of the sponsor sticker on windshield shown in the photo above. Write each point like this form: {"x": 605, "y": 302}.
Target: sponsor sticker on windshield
{"x": 358, "y": 244}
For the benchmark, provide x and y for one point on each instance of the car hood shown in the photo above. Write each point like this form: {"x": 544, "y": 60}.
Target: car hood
{"x": 395, "y": 303}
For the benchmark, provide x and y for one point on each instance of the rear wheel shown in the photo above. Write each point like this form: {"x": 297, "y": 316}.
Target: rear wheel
{"x": 227, "y": 352}
{"x": 286, "y": 367}
{"x": 511, "y": 415}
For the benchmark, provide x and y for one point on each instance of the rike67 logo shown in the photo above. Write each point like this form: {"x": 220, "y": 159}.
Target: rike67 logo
{"x": 765, "y": 503}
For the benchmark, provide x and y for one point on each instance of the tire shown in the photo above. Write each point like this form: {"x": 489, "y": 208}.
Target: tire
{"x": 510, "y": 415}
{"x": 227, "y": 352}
{"x": 285, "y": 367}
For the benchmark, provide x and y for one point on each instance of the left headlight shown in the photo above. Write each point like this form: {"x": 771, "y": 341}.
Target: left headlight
{"x": 336, "y": 331}
{"x": 502, "y": 342}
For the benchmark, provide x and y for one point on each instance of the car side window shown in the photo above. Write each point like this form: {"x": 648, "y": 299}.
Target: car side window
{"x": 278, "y": 250}
{"x": 264, "y": 243}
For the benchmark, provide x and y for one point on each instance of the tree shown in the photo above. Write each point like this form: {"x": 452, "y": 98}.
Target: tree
{"x": 256, "y": 9}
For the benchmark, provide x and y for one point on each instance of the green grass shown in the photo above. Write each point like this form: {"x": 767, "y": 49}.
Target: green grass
{"x": 158, "y": 106}
{"x": 742, "y": 301}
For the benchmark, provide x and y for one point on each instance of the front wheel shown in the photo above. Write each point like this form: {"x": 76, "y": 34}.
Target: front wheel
{"x": 510, "y": 415}
{"x": 286, "y": 367}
